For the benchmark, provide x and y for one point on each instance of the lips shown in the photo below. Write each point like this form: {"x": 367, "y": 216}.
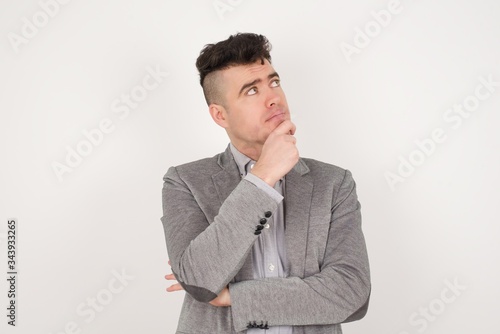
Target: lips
{"x": 275, "y": 114}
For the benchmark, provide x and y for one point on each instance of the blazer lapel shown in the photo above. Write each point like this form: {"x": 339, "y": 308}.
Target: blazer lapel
{"x": 228, "y": 177}
{"x": 298, "y": 196}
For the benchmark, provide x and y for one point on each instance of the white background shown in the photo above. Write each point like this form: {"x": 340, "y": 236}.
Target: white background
{"x": 363, "y": 113}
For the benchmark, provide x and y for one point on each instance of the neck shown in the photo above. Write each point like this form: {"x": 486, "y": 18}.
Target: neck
{"x": 251, "y": 151}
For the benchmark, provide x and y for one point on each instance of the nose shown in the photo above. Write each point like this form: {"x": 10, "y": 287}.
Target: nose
{"x": 273, "y": 98}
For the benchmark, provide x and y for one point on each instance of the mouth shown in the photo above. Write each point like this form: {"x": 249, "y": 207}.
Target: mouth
{"x": 277, "y": 114}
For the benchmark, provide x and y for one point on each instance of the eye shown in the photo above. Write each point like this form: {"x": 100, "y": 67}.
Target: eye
{"x": 275, "y": 83}
{"x": 252, "y": 91}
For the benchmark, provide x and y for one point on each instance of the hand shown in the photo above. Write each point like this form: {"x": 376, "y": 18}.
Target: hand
{"x": 279, "y": 154}
{"x": 173, "y": 287}
{"x": 223, "y": 299}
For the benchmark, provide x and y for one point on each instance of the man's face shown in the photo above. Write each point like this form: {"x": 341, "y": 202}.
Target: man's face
{"x": 254, "y": 103}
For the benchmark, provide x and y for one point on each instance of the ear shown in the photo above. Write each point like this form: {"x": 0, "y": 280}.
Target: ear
{"x": 219, "y": 114}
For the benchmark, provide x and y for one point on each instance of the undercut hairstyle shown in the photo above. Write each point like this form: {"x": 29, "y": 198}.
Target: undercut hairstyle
{"x": 238, "y": 49}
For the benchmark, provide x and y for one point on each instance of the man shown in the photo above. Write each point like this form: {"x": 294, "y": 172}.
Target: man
{"x": 262, "y": 241}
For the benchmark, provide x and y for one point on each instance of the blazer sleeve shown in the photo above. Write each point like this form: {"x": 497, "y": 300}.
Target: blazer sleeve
{"x": 205, "y": 256}
{"x": 338, "y": 293}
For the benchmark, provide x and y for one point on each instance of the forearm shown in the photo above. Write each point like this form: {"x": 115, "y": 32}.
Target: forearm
{"x": 333, "y": 296}
{"x": 205, "y": 257}
{"x": 297, "y": 302}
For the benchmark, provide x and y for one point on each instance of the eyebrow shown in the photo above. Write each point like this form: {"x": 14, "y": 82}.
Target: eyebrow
{"x": 256, "y": 81}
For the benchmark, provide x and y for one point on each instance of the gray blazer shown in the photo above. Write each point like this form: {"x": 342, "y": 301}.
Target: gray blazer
{"x": 209, "y": 218}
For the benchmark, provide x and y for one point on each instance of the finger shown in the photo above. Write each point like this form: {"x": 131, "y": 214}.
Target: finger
{"x": 175, "y": 287}
{"x": 293, "y": 129}
{"x": 291, "y": 139}
{"x": 170, "y": 277}
{"x": 286, "y": 127}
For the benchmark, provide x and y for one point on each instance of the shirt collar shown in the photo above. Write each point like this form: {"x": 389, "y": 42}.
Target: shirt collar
{"x": 241, "y": 159}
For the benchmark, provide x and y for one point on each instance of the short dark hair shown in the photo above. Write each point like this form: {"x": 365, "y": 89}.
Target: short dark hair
{"x": 238, "y": 49}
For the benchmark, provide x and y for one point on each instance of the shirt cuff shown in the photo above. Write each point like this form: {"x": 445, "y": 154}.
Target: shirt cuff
{"x": 262, "y": 185}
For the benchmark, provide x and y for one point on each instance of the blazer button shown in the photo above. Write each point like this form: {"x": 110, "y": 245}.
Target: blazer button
{"x": 260, "y": 227}
{"x": 257, "y": 232}
{"x": 268, "y": 214}
{"x": 263, "y": 221}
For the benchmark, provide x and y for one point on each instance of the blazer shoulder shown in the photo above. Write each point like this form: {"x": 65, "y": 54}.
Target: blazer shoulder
{"x": 197, "y": 168}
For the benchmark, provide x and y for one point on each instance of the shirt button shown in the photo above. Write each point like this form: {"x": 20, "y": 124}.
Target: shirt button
{"x": 271, "y": 267}
{"x": 267, "y": 225}
{"x": 251, "y": 166}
